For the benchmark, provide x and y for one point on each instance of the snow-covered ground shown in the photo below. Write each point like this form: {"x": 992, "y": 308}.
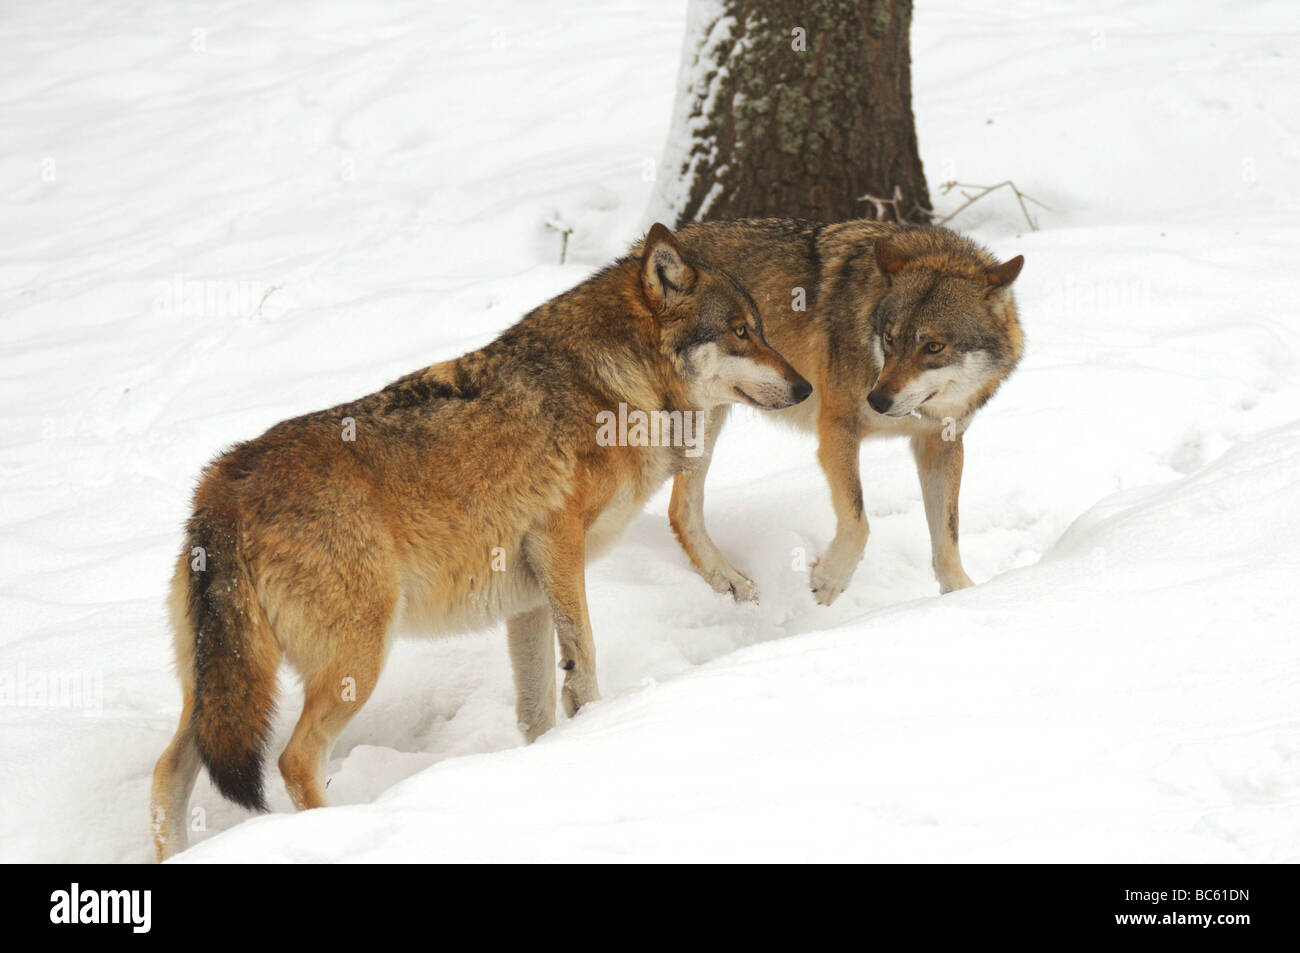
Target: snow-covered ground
{"x": 215, "y": 216}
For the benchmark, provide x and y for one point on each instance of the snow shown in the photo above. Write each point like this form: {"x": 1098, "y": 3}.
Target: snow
{"x": 345, "y": 192}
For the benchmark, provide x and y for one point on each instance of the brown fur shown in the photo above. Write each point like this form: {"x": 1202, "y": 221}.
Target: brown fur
{"x": 474, "y": 491}
{"x": 859, "y": 279}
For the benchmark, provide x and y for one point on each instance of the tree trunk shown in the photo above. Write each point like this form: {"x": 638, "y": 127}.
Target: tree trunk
{"x": 793, "y": 108}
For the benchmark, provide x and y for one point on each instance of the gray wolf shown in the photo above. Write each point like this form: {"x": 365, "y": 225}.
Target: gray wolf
{"x": 468, "y": 492}
{"x": 904, "y": 331}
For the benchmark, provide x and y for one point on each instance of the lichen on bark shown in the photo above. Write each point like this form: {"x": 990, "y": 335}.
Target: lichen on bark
{"x": 798, "y": 131}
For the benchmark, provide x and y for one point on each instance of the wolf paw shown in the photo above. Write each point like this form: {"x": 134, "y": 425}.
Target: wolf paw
{"x": 578, "y": 690}
{"x": 539, "y": 725}
{"x": 954, "y": 581}
{"x": 829, "y": 578}
{"x": 737, "y": 584}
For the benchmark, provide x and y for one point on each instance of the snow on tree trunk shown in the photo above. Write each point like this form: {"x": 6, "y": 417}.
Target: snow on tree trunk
{"x": 792, "y": 108}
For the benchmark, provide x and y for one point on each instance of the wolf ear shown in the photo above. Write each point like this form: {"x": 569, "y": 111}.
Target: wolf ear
{"x": 889, "y": 259}
{"x": 1000, "y": 276}
{"x": 666, "y": 278}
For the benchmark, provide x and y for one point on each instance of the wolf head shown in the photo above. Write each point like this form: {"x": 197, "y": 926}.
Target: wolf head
{"x": 944, "y": 334}
{"x": 711, "y": 332}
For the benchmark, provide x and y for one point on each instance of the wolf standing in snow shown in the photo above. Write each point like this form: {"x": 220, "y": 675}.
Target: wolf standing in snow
{"x": 468, "y": 492}
{"x": 902, "y": 330}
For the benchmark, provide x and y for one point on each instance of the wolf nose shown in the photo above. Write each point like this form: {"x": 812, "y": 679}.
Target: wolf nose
{"x": 880, "y": 402}
{"x": 801, "y": 390}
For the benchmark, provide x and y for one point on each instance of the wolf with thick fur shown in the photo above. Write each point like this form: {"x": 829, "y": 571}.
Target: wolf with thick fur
{"x": 903, "y": 331}
{"x": 468, "y": 492}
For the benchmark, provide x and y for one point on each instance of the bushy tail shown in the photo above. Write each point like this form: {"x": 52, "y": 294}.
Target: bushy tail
{"x": 235, "y": 660}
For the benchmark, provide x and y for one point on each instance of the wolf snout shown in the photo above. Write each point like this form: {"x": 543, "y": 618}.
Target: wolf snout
{"x": 880, "y": 401}
{"x": 773, "y": 393}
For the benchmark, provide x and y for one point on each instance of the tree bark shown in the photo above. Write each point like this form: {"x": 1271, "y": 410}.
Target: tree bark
{"x": 793, "y": 108}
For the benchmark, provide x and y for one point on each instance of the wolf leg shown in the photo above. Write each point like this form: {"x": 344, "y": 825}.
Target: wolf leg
{"x": 332, "y": 695}
{"x": 939, "y": 465}
{"x": 557, "y": 555}
{"x": 173, "y": 781}
{"x": 532, "y": 654}
{"x": 837, "y": 452}
{"x": 686, "y": 515}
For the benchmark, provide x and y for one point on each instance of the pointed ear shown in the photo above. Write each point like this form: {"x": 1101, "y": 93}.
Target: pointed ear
{"x": 1000, "y": 276}
{"x": 666, "y": 278}
{"x": 889, "y": 259}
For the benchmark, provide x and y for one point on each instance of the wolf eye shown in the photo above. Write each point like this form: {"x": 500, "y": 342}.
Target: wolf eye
{"x": 934, "y": 347}
{"x": 889, "y": 339}
{"x": 742, "y": 332}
